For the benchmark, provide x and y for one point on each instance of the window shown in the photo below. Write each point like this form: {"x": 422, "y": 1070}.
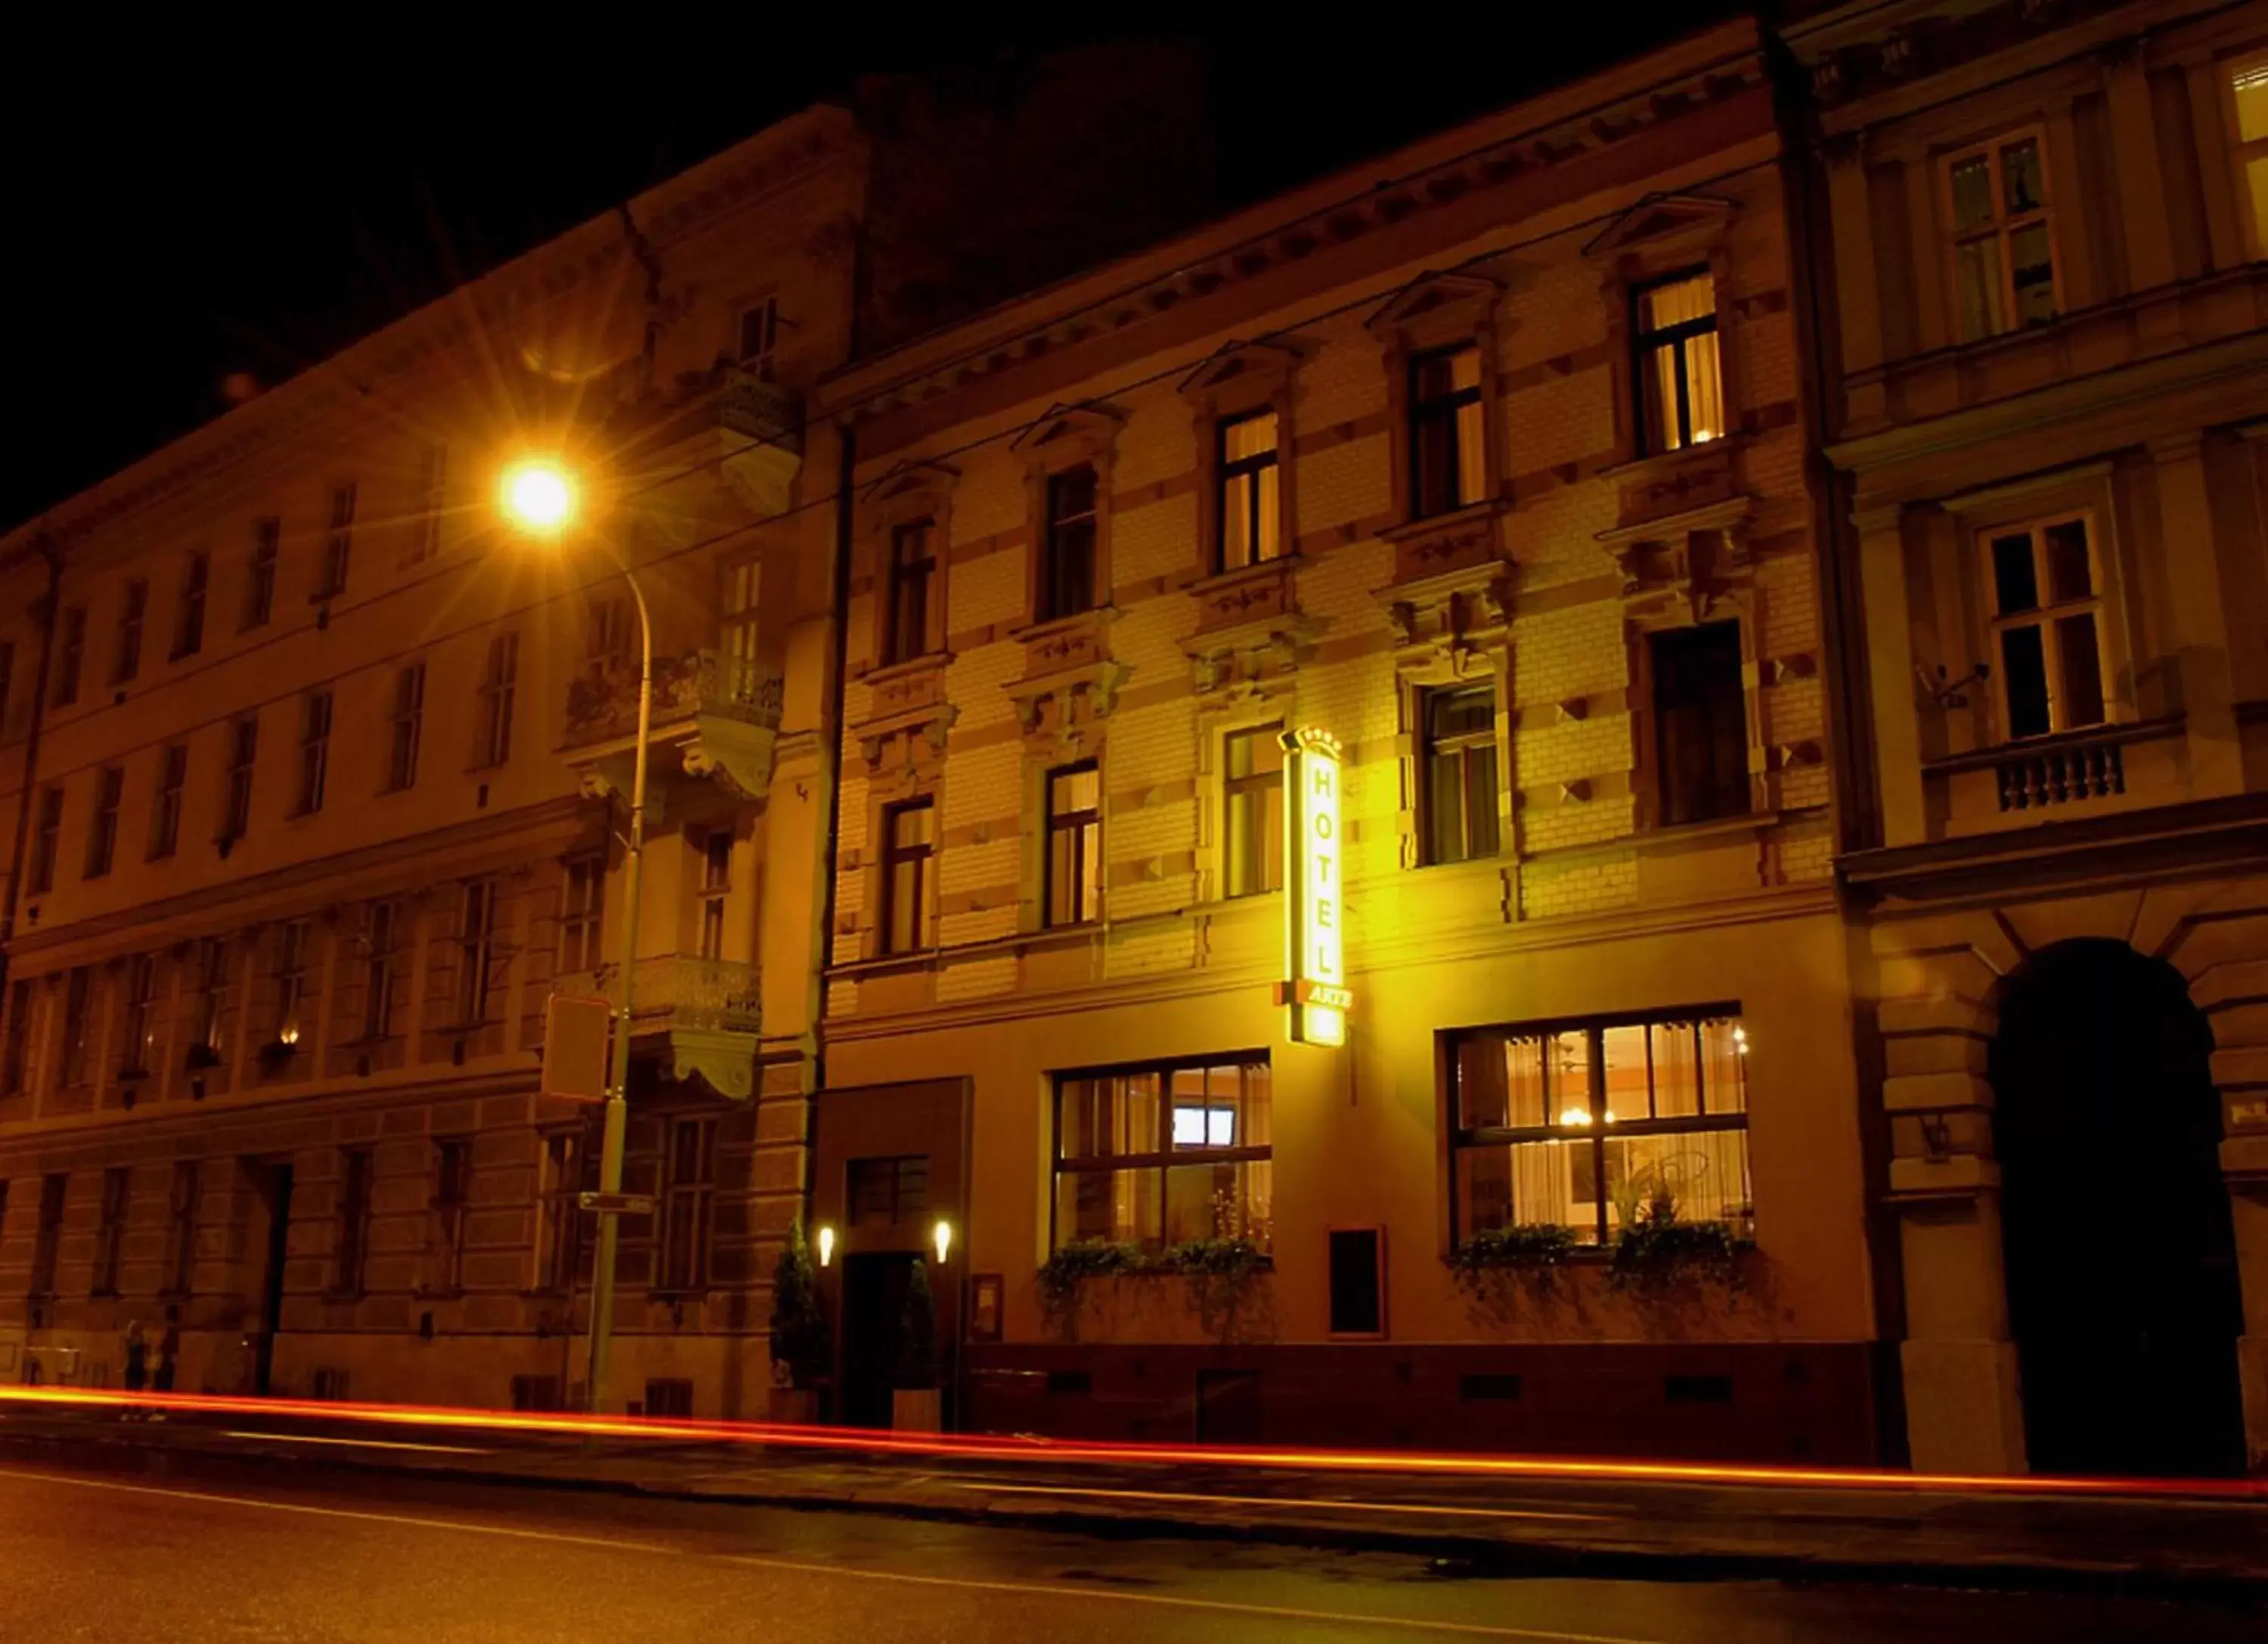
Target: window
{"x": 406, "y": 727}
{"x": 1072, "y": 893}
{"x": 47, "y": 1236}
{"x": 71, "y": 656}
{"x": 1448, "y": 422}
{"x": 189, "y": 611}
{"x": 913, "y": 580}
{"x": 432, "y": 499}
{"x": 79, "y": 1021}
{"x": 1067, "y": 545}
{"x": 314, "y": 751}
{"x": 1252, "y": 811}
{"x": 137, "y": 1036}
{"x": 607, "y": 632}
{"x": 738, "y": 630}
{"x": 499, "y": 681}
{"x": 560, "y": 1235}
{"x": 182, "y": 1204}
{"x": 1249, "y": 516}
{"x": 477, "y": 952}
{"x": 211, "y": 1000}
{"x": 110, "y": 1230}
{"x": 582, "y": 914}
{"x": 1160, "y": 1155}
{"x": 381, "y": 937}
{"x": 133, "y": 610}
{"x": 1700, "y": 723}
{"x": 15, "y": 1052}
{"x": 716, "y": 886}
{"x": 338, "y": 542}
{"x": 888, "y": 1191}
{"x": 1681, "y": 392}
{"x": 668, "y": 1396}
{"x": 243, "y": 750}
{"x": 689, "y": 1181}
{"x": 1459, "y": 760}
{"x": 165, "y": 811}
{"x": 759, "y": 337}
{"x": 47, "y": 840}
{"x": 908, "y": 843}
{"x": 453, "y": 1182}
{"x": 353, "y": 1233}
{"x": 2047, "y": 627}
{"x": 102, "y": 827}
{"x": 290, "y": 979}
{"x": 1598, "y": 1126}
{"x": 260, "y": 576}
{"x": 2248, "y": 94}
{"x": 2004, "y": 272}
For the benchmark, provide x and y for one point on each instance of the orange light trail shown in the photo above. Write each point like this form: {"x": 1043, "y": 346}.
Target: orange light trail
{"x": 986, "y": 1448}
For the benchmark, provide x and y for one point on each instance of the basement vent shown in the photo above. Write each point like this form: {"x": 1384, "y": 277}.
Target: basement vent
{"x": 1069, "y": 1383}
{"x": 535, "y": 1392}
{"x": 671, "y": 1396}
{"x": 1489, "y": 1386}
{"x": 330, "y": 1382}
{"x": 1698, "y": 1390}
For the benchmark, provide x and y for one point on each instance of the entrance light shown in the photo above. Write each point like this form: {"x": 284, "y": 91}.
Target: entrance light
{"x": 826, "y": 1244}
{"x": 943, "y": 1236}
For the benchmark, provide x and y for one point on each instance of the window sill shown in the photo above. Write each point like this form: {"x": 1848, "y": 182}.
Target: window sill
{"x": 907, "y": 667}
{"x": 1646, "y": 465}
{"x": 1454, "y": 520}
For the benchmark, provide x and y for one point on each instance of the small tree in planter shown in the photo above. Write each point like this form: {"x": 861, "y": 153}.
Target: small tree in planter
{"x": 802, "y": 1348}
{"x": 914, "y": 1404}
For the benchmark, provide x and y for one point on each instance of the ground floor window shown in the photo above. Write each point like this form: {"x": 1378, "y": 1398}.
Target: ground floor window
{"x": 1165, "y": 1153}
{"x": 1595, "y": 1125}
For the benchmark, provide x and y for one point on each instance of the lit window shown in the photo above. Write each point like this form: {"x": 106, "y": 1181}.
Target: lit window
{"x": 2047, "y": 627}
{"x": 1073, "y": 869}
{"x": 1447, "y": 424}
{"x": 2248, "y": 90}
{"x": 1680, "y": 389}
{"x": 1249, "y": 513}
{"x": 2004, "y": 272}
{"x": 1162, "y": 1155}
{"x": 908, "y": 843}
{"x": 759, "y": 337}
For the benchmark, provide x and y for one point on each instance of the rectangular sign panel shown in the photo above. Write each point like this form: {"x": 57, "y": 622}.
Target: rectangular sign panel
{"x": 575, "y": 1047}
{"x": 1315, "y": 994}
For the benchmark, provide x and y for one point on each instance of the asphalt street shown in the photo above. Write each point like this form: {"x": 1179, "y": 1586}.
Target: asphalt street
{"x": 330, "y": 1556}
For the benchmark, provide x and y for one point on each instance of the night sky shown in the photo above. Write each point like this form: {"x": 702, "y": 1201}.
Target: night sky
{"x": 217, "y": 206}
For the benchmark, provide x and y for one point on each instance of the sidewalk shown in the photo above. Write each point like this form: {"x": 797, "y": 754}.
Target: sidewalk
{"x": 1515, "y": 1525}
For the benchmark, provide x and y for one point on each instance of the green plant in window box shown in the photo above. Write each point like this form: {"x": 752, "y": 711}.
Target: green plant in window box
{"x": 1495, "y": 1266}
{"x": 1062, "y": 1276}
{"x": 1222, "y": 1275}
{"x": 1656, "y": 1253}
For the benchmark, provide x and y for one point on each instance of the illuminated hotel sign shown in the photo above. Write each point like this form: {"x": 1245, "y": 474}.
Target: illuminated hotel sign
{"x": 1316, "y": 993}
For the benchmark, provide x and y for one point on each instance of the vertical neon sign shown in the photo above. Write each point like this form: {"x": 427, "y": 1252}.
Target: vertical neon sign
{"x": 1315, "y": 993}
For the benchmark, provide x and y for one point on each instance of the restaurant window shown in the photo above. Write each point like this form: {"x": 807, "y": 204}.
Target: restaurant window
{"x": 183, "y": 1200}
{"x": 759, "y": 337}
{"x": 689, "y": 1181}
{"x": 500, "y": 685}
{"x": 46, "y": 839}
{"x": 243, "y": 750}
{"x": 432, "y": 500}
{"x": 912, "y": 596}
{"x": 79, "y": 1025}
{"x": 1252, "y": 811}
{"x": 314, "y": 751}
{"x": 260, "y": 572}
{"x": 71, "y": 656}
{"x": 452, "y": 1183}
{"x": 1067, "y": 544}
{"x": 102, "y": 826}
{"x": 2004, "y": 274}
{"x": 560, "y": 1236}
{"x": 110, "y": 1230}
{"x": 405, "y": 727}
{"x": 1161, "y": 1155}
{"x": 1598, "y": 1126}
{"x": 189, "y": 611}
{"x": 137, "y": 1036}
{"x": 47, "y": 1233}
{"x": 1681, "y": 387}
{"x": 382, "y": 940}
{"x": 15, "y": 1048}
{"x": 888, "y": 1191}
{"x": 338, "y": 542}
{"x": 477, "y": 952}
{"x": 1700, "y": 723}
{"x": 133, "y": 613}
{"x": 1250, "y": 517}
{"x": 1448, "y": 430}
{"x": 582, "y": 914}
{"x": 165, "y": 810}
{"x": 2047, "y": 626}
{"x": 353, "y": 1230}
{"x": 909, "y": 845}
{"x": 1072, "y": 871}
{"x": 1458, "y": 757}
{"x": 211, "y": 998}
{"x": 716, "y": 890}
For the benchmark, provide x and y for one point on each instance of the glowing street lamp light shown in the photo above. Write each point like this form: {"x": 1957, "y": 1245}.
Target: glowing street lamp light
{"x": 538, "y": 494}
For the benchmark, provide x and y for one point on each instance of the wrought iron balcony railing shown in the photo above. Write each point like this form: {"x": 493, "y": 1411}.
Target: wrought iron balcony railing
{"x": 678, "y": 990}
{"x": 602, "y": 702}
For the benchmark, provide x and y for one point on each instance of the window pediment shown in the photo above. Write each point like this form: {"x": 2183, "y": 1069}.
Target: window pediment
{"x": 1434, "y": 302}
{"x": 1069, "y": 433}
{"x": 1679, "y": 221}
{"x": 910, "y": 490}
{"x": 1240, "y": 374}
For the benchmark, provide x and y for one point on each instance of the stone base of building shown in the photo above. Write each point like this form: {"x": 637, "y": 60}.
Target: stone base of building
{"x": 1755, "y": 1402}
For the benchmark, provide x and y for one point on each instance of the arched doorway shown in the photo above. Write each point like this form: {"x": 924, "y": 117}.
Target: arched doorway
{"x": 2121, "y": 1257}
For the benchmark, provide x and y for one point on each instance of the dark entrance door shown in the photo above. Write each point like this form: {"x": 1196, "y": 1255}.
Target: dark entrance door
{"x": 272, "y": 1237}
{"x": 873, "y": 1316}
{"x": 2121, "y": 1255}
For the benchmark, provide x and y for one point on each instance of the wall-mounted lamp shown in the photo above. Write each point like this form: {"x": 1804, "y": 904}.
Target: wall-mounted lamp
{"x": 942, "y": 1233}
{"x": 826, "y": 1245}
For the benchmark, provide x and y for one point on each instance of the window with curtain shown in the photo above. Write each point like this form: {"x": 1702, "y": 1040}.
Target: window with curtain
{"x": 165, "y": 811}
{"x": 70, "y": 657}
{"x": 2248, "y": 125}
{"x": 1163, "y": 1154}
{"x": 582, "y": 914}
{"x": 338, "y": 542}
{"x": 1458, "y": 758}
{"x": 1072, "y": 893}
{"x": 1252, "y": 810}
{"x": 909, "y": 844}
{"x": 499, "y": 687}
{"x": 2004, "y": 272}
{"x": 1067, "y": 544}
{"x": 2047, "y": 626}
{"x": 243, "y": 750}
{"x": 1447, "y": 429}
{"x": 1700, "y": 723}
{"x": 1249, "y": 514}
{"x": 189, "y": 612}
{"x": 1596, "y": 1125}
{"x": 405, "y": 727}
{"x": 46, "y": 839}
{"x": 133, "y": 612}
{"x": 314, "y": 751}
{"x": 137, "y": 1036}
{"x": 1680, "y": 386}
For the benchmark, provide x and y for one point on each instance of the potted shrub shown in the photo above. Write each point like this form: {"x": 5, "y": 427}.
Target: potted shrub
{"x": 802, "y": 1347}
{"x": 914, "y": 1406}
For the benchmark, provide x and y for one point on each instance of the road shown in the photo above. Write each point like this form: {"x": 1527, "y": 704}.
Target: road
{"x": 332, "y": 1558}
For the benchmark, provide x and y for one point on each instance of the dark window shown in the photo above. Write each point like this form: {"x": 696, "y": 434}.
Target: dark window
{"x": 2047, "y": 617}
{"x": 500, "y": 685}
{"x": 14, "y": 1056}
{"x": 582, "y": 915}
{"x": 1252, "y": 811}
{"x": 338, "y": 542}
{"x": 181, "y": 1206}
{"x": 190, "y": 614}
{"x": 1601, "y": 1125}
{"x": 759, "y": 339}
{"x": 110, "y": 1230}
{"x": 47, "y": 840}
{"x": 133, "y": 612}
{"x": 607, "y": 634}
{"x": 912, "y": 594}
{"x": 561, "y": 1237}
{"x": 479, "y": 965}
{"x": 78, "y": 1024}
{"x": 716, "y": 889}
{"x": 1072, "y": 893}
{"x": 1067, "y": 548}
{"x": 243, "y": 750}
{"x": 102, "y": 826}
{"x": 138, "y": 1036}
{"x": 1680, "y": 389}
{"x": 1161, "y": 1155}
{"x": 353, "y": 1231}
{"x": 1250, "y": 517}
{"x": 165, "y": 810}
{"x": 381, "y": 938}
{"x": 1448, "y": 431}
{"x": 908, "y": 842}
{"x": 1458, "y": 761}
{"x": 452, "y": 1190}
{"x": 406, "y": 723}
{"x": 1701, "y": 723}
{"x": 433, "y": 500}
{"x": 888, "y": 1190}
{"x": 671, "y": 1395}
{"x": 47, "y": 1236}
{"x": 71, "y": 656}
{"x": 2003, "y": 241}
{"x": 1357, "y": 1283}
{"x": 690, "y": 1181}
{"x": 314, "y": 751}
{"x": 535, "y": 1392}
{"x": 259, "y": 574}
{"x": 212, "y": 998}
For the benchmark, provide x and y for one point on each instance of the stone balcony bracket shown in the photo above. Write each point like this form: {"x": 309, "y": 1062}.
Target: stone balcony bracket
{"x": 716, "y": 720}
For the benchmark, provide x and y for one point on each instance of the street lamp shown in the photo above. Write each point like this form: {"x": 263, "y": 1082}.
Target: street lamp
{"x": 539, "y": 495}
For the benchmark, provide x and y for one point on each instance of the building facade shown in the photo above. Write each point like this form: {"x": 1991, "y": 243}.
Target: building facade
{"x": 2045, "y": 228}
{"x": 1485, "y": 467}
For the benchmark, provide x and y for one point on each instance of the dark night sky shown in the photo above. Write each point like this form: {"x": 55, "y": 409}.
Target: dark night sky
{"x": 217, "y": 205}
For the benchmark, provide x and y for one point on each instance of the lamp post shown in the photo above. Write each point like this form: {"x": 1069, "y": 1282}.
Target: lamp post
{"x": 539, "y": 498}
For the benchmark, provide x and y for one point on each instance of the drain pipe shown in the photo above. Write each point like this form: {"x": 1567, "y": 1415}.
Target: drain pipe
{"x": 44, "y": 547}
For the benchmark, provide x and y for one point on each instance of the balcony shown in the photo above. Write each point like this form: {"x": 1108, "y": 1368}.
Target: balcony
{"x": 691, "y": 1018}
{"x": 715, "y": 719}
{"x": 751, "y": 429}
{"x": 2102, "y": 767}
